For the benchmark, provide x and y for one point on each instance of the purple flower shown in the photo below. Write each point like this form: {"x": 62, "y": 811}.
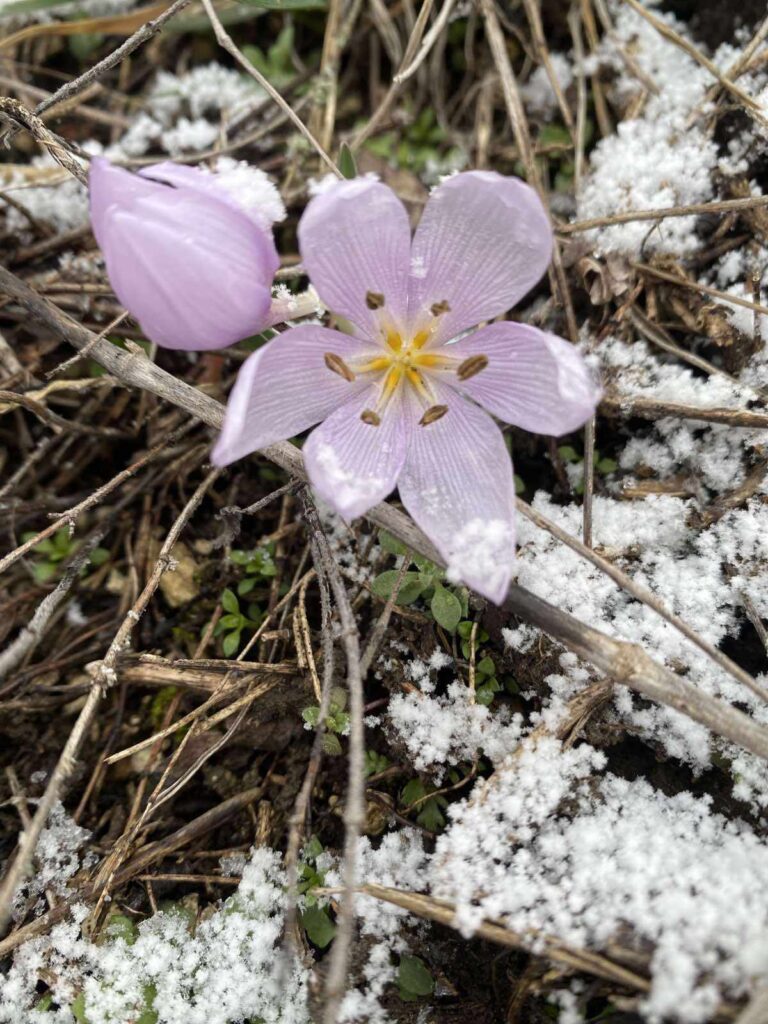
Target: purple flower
{"x": 183, "y": 257}
{"x": 400, "y": 400}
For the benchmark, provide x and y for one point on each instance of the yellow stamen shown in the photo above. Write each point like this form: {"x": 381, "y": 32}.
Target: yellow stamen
{"x": 421, "y": 339}
{"x": 394, "y": 341}
{"x": 391, "y": 381}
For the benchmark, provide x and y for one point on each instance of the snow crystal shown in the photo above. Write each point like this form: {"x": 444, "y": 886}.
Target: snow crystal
{"x": 624, "y": 865}
{"x": 654, "y": 160}
{"x": 448, "y": 729}
{"x": 230, "y": 969}
{"x": 483, "y": 549}
{"x": 538, "y": 94}
{"x": 57, "y": 859}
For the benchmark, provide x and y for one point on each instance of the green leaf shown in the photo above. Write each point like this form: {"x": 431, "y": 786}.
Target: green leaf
{"x": 446, "y": 608}
{"x": 78, "y": 1008}
{"x": 431, "y": 815}
{"x": 486, "y": 667}
{"x": 319, "y": 927}
{"x": 44, "y": 571}
{"x": 331, "y": 744}
{"x": 519, "y": 484}
{"x": 230, "y": 622}
{"x": 230, "y": 643}
{"x": 388, "y": 542}
{"x": 413, "y": 978}
{"x": 120, "y": 926}
{"x": 375, "y": 763}
{"x": 311, "y": 715}
{"x": 606, "y": 466}
{"x": 229, "y": 602}
{"x": 313, "y": 849}
{"x": 427, "y": 566}
{"x": 99, "y": 556}
{"x": 347, "y": 164}
{"x": 485, "y": 693}
{"x": 568, "y": 453}
{"x": 411, "y": 587}
{"x": 246, "y": 586}
{"x": 413, "y": 791}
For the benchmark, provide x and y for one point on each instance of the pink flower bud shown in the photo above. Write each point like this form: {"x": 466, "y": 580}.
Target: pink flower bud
{"x": 193, "y": 267}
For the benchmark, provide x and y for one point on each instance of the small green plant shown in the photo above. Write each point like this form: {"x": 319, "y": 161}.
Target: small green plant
{"x": 416, "y": 794}
{"x": 375, "y": 763}
{"x": 51, "y": 552}
{"x": 336, "y": 724}
{"x": 258, "y": 565}
{"x": 446, "y": 604}
{"x": 413, "y": 979}
{"x": 276, "y": 64}
{"x": 464, "y": 629}
{"x": 315, "y": 920}
{"x": 415, "y": 146}
{"x": 232, "y": 624}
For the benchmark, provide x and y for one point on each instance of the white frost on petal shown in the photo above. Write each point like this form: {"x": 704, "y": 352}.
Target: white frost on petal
{"x": 349, "y": 489}
{"x": 484, "y": 549}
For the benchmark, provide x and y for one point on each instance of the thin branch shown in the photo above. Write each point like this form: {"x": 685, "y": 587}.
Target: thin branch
{"x": 147, "y": 30}
{"x": 705, "y": 289}
{"x": 751, "y": 106}
{"x": 695, "y": 209}
{"x": 354, "y": 809}
{"x": 640, "y": 593}
{"x": 654, "y": 409}
{"x": 227, "y": 43}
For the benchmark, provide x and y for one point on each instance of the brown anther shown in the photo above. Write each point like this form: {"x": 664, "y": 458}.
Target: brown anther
{"x": 374, "y": 300}
{"x": 337, "y": 364}
{"x": 438, "y": 308}
{"x": 472, "y": 366}
{"x": 370, "y": 417}
{"x": 433, "y": 413}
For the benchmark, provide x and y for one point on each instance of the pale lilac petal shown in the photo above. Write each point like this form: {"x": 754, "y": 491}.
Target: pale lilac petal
{"x": 353, "y": 465}
{"x": 182, "y": 176}
{"x": 483, "y": 242}
{"x": 458, "y": 485}
{"x": 355, "y": 239}
{"x": 534, "y": 380}
{"x": 194, "y": 271}
{"x": 283, "y": 389}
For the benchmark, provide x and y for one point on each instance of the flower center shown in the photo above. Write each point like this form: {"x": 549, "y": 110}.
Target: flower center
{"x": 403, "y": 361}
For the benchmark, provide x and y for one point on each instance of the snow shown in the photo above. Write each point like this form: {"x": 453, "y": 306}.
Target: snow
{"x": 231, "y": 968}
{"x": 660, "y": 158}
{"x": 623, "y": 865}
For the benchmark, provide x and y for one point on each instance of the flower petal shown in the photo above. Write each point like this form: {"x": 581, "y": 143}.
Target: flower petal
{"x": 534, "y": 380}
{"x": 353, "y": 465}
{"x": 193, "y": 270}
{"x": 355, "y": 240}
{"x": 459, "y": 487}
{"x": 285, "y": 388}
{"x": 211, "y": 183}
{"x": 483, "y": 242}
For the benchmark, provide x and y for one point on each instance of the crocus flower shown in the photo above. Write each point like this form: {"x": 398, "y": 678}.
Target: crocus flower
{"x": 193, "y": 266}
{"x": 402, "y": 403}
